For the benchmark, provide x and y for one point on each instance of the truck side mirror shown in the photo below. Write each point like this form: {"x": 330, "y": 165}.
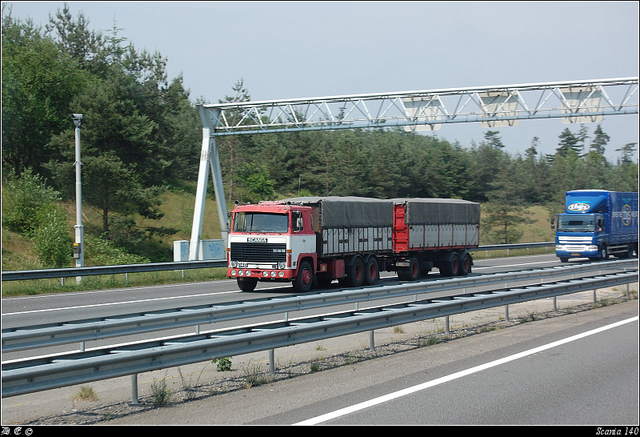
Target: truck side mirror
{"x": 298, "y": 223}
{"x": 553, "y": 225}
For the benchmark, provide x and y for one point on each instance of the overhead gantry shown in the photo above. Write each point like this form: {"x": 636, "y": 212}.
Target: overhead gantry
{"x": 585, "y": 101}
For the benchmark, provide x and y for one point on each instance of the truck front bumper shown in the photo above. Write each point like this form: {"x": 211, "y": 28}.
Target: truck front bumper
{"x": 577, "y": 251}
{"x": 260, "y": 274}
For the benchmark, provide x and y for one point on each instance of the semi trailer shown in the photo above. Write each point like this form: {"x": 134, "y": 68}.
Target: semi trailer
{"x": 315, "y": 240}
{"x": 596, "y": 224}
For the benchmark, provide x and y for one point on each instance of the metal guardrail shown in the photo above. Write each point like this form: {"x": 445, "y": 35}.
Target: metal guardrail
{"x": 44, "y": 373}
{"x": 75, "y": 331}
{"x": 70, "y": 272}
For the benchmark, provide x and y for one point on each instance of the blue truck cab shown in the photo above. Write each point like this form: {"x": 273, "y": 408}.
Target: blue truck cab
{"x": 596, "y": 224}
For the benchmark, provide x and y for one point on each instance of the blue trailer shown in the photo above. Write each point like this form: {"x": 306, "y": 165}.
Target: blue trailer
{"x": 596, "y": 224}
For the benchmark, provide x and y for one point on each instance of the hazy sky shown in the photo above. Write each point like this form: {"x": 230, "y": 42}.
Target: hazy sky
{"x": 315, "y": 49}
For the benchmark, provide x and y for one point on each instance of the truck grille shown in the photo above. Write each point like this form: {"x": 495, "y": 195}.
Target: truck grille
{"x": 259, "y": 252}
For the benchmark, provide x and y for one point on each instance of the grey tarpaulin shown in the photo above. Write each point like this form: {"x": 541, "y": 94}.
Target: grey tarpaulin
{"x": 345, "y": 212}
{"x": 335, "y": 211}
{"x": 422, "y": 211}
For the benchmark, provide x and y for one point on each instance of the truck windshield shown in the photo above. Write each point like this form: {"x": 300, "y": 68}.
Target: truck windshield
{"x": 260, "y": 222}
{"x": 577, "y": 223}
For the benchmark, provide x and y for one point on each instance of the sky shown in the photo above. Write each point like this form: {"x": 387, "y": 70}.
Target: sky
{"x": 315, "y": 49}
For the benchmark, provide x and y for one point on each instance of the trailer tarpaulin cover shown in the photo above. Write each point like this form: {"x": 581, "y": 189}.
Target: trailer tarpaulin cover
{"x": 347, "y": 212}
{"x": 422, "y": 211}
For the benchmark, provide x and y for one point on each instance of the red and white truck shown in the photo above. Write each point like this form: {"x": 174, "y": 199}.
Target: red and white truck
{"x": 352, "y": 239}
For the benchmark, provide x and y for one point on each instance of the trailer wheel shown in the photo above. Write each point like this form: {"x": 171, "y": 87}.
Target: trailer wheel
{"x": 450, "y": 266}
{"x": 413, "y": 272}
{"x": 465, "y": 265}
{"x": 247, "y": 284}
{"x": 372, "y": 274}
{"x": 355, "y": 273}
{"x": 304, "y": 279}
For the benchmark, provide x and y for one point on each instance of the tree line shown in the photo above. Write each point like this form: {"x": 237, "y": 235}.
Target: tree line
{"x": 141, "y": 135}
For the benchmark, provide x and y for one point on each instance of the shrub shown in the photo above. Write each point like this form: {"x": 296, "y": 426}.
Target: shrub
{"x": 23, "y": 199}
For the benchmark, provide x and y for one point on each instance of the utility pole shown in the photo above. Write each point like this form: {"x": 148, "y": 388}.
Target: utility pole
{"x": 78, "y": 246}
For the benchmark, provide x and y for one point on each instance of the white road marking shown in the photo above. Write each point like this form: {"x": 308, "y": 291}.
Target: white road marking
{"x": 467, "y": 372}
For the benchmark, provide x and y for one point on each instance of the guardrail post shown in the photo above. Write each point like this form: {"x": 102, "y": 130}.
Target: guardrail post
{"x": 271, "y": 361}
{"x": 134, "y": 389}
{"x": 506, "y": 312}
{"x": 628, "y": 298}
{"x": 446, "y": 325}
{"x": 372, "y": 345}
{"x": 555, "y": 304}
{"x": 594, "y": 296}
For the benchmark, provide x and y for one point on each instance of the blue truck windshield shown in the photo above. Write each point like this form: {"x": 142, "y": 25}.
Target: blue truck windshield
{"x": 260, "y": 222}
{"x": 577, "y": 223}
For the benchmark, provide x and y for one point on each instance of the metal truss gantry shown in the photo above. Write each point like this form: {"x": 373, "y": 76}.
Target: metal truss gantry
{"x": 585, "y": 101}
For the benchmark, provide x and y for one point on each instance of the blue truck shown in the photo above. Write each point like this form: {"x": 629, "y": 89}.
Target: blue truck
{"x": 596, "y": 224}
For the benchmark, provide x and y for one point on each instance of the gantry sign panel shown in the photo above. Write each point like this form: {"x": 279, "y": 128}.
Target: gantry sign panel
{"x": 496, "y": 106}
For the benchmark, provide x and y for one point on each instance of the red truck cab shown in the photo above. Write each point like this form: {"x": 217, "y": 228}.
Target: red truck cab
{"x": 272, "y": 241}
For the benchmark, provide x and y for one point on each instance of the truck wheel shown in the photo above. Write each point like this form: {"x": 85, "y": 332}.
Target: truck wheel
{"x": 465, "y": 265}
{"x": 247, "y": 284}
{"x": 372, "y": 274}
{"x": 450, "y": 267}
{"x": 604, "y": 254}
{"x": 355, "y": 273}
{"x": 304, "y": 279}
{"x": 413, "y": 272}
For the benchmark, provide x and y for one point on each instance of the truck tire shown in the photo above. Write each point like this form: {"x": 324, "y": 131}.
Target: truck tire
{"x": 304, "y": 279}
{"x": 413, "y": 272}
{"x": 372, "y": 273}
{"x": 355, "y": 273}
{"x": 465, "y": 265}
{"x": 450, "y": 266}
{"x": 247, "y": 284}
{"x": 604, "y": 253}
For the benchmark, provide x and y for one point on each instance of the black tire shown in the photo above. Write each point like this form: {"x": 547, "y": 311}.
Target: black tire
{"x": 604, "y": 253}
{"x": 465, "y": 265}
{"x": 304, "y": 279}
{"x": 371, "y": 272}
{"x": 247, "y": 284}
{"x": 451, "y": 266}
{"x": 413, "y": 272}
{"x": 402, "y": 274}
{"x": 355, "y": 273}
